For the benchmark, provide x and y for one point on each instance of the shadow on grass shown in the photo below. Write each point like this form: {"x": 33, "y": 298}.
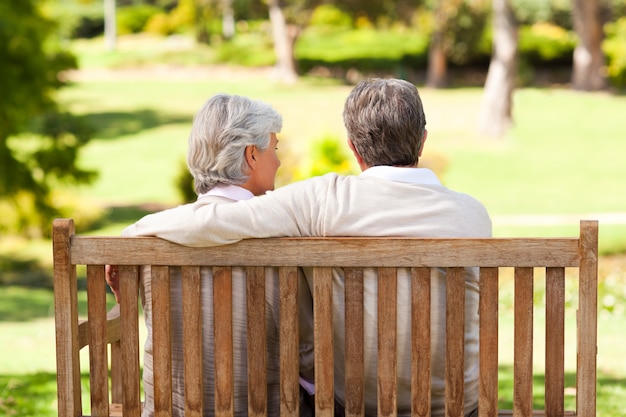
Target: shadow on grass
{"x": 611, "y": 392}
{"x": 21, "y": 304}
{"x": 34, "y": 395}
{"x": 28, "y": 395}
{"x": 115, "y": 125}
{"x": 24, "y": 271}
{"x": 505, "y": 389}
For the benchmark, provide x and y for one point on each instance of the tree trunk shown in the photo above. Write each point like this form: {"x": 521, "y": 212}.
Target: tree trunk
{"x": 228, "y": 19}
{"x": 110, "y": 26}
{"x": 437, "y": 63}
{"x": 588, "y": 71}
{"x": 204, "y": 9}
{"x": 284, "y": 37}
{"x": 496, "y": 113}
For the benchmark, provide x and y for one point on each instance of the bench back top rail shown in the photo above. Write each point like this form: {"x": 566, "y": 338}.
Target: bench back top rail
{"x": 353, "y": 254}
{"x": 344, "y": 252}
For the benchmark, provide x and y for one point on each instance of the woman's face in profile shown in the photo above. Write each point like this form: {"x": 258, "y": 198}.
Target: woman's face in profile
{"x": 267, "y": 163}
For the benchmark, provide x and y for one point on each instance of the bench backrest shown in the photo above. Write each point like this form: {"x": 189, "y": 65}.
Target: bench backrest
{"x": 119, "y": 383}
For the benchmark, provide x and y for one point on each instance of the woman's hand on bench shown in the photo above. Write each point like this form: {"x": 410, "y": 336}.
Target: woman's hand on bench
{"x": 112, "y": 277}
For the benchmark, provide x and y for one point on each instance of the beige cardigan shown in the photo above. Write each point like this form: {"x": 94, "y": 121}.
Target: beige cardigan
{"x": 272, "y": 303}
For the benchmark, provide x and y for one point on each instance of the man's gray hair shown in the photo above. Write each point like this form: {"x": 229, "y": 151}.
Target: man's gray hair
{"x": 385, "y": 121}
{"x": 221, "y": 131}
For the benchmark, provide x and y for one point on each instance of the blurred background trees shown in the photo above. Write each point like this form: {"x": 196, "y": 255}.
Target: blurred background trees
{"x": 498, "y": 44}
{"x": 436, "y": 42}
{"x": 39, "y": 142}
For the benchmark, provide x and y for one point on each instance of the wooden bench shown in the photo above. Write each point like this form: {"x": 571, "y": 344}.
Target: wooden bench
{"x": 117, "y": 386}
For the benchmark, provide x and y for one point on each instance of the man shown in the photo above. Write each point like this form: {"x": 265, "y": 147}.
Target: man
{"x": 386, "y": 128}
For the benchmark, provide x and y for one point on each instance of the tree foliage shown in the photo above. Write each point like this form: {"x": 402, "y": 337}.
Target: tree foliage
{"x": 39, "y": 142}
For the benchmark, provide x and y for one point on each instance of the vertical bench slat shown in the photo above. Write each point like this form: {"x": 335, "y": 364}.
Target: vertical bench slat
{"x": 192, "y": 333}
{"x": 289, "y": 346}
{"x": 323, "y": 339}
{"x": 162, "y": 343}
{"x": 555, "y": 341}
{"x": 455, "y": 341}
{"x": 488, "y": 316}
{"x": 257, "y": 351}
{"x": 355, "y": 370}
{"x": 420, "y": 329}
{"x": 587, "y": 320}
{"x": 66, "y": 321}
{"x": 129, "y": 328}
{"x": 223, "y": 341}
{"x": 387, "y": 342}
{"x": 98, "y": 358}
{"x": 523, "y": 342}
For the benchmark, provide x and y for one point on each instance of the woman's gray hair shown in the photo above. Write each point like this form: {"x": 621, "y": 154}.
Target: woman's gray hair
{"x": 221, "y": 131}
{"x": 385, "y": 121}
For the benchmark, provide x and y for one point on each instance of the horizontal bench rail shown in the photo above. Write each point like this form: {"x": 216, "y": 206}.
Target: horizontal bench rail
{"x": 333, "y": 252}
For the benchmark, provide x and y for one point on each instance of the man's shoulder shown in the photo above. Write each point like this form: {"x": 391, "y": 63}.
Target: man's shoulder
{"x": 329, "y": 180}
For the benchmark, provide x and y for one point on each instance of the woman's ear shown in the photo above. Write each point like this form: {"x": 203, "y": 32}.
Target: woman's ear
{"x": 250, "y": 158}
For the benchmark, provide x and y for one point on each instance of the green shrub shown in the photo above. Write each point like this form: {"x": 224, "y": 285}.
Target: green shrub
{"x": 19, "y": 215}
{"x": 185, "y": 184}
{"x": 614, "y": 47}
{"x": 330, "y": 16}
{"x": 247, "y": 49}
{"x": 179, "y": 20}
{"x": 78, "y": 19}
{"x": 529, "y": 12}
{"x": 159, "y": 24}
{"x": 466, "y": 38}
{"x": 133, "y": 19}
{"x": 546, "y": 43}
{"x": 365, "y": 49}
{"x": 183, "y": 16}
{"x": 326, "y": 156}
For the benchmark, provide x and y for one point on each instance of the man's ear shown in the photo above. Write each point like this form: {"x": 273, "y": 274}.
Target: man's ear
{"x": 423, "y": 142}
{"x": 359, "y": 160}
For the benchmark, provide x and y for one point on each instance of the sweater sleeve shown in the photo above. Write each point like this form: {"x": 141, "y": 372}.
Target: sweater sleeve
{"x": 293, "y": 210}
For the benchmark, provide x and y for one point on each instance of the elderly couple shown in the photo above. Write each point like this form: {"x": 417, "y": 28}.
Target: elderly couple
{"x": 232, "y": 157}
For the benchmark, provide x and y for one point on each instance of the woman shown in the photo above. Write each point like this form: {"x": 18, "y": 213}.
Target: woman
{"x": 231, "y": 156}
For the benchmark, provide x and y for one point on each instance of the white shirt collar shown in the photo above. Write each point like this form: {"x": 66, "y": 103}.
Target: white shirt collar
{"x": 233, "y": 192}
{"x": 401, "y": 174}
